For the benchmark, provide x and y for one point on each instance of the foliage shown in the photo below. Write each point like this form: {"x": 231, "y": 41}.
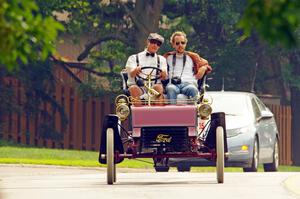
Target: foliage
{"x": 24, "y": 34}
{"x": 210, "y": 28}
{"x": 289, "y": 69}
{"x": 275, "y": 21}
{"x": 116, "y": 29}
{"x": 108, "y": 85}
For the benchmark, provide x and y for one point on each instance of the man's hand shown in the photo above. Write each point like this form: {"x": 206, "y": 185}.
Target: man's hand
{"x": 135, "y": 72}
{"x": 201, "y": 72}
{"x": 163, "y": 75}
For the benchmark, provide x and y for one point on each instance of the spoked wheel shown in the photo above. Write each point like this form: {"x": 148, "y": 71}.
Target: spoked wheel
{"x": 111, "y": 170}
{"x": 220, "y": 154}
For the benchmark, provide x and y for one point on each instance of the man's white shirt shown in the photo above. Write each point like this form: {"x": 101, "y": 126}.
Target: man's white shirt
{"x": 144, "y": 60}
{"x": 187, "y": 72}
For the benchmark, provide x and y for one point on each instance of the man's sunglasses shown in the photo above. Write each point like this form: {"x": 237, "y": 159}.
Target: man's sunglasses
{"x": 182, "y": 43}
{"x": 153, "y": 41}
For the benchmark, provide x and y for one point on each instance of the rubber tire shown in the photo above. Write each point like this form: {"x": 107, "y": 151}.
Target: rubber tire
{"x": 275, "y": 163}
{"x": 162, "y": 168}
{"x": 183, "y": 168}
{"x": 220, "y": 154}
{"x": 111, "y": 172}
{"x": 255, "y": 158}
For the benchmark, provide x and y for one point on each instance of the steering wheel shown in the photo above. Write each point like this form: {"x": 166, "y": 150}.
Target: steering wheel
{"x": 153, "y": 76}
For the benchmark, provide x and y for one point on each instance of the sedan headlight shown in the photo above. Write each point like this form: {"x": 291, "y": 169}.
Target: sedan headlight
{"x": 237, "y": 131}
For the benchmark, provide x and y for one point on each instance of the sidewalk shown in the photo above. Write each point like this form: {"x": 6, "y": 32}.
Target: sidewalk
{"x": 293, "y": 184}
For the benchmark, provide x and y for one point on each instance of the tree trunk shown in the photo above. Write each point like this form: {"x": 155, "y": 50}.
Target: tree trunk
{"x": 295, "y": 106}
{"x": 146, "y": 16}
{"x": 273, "y": 82}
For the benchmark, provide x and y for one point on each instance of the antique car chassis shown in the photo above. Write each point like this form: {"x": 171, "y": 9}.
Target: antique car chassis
{"x": 163, "y": 131}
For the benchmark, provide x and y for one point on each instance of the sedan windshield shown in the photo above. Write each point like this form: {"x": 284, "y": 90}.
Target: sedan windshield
{"x": 234, "y": 105}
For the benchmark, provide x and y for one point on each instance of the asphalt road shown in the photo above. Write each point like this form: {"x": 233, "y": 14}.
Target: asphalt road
{"x": 43, "y": 182}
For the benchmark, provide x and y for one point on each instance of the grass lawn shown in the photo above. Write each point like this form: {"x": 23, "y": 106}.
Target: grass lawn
{"x": 11, "y": 153}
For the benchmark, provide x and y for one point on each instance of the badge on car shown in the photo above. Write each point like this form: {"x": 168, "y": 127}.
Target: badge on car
{"x": 163, "y": 138}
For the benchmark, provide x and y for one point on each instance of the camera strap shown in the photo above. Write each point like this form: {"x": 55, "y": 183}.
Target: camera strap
{"x": 174, "y": 63}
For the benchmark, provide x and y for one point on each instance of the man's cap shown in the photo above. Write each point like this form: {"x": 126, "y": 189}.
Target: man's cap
{"x": 155, "y": 36}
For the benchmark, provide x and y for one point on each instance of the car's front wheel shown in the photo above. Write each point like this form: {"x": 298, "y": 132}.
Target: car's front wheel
{"x": 111, "y": 167}
{"x": 273, "y": 166}
{"x": 255, "y": 157}
{"x": 220, "y": 154}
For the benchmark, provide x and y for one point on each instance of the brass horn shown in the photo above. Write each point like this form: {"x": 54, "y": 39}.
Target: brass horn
{"x": 152, "y": 91}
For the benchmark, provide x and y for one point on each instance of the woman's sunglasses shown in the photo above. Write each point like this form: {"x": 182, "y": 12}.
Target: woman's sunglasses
{"x": 158, "y": 43}
{"x": 182, "y": 43}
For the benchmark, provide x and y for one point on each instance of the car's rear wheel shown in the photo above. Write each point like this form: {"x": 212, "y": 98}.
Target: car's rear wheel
{"x": 162, "y": 168}
{"x": 111, "y": 170}
{"x": 255, "y": 158}
{"x": 275, "y": 163}
{"x": 220, "y": 154}
{"x": 161, "y": 165}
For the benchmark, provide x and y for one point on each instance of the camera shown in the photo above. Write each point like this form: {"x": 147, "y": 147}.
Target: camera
{"x": 176, "y": 80}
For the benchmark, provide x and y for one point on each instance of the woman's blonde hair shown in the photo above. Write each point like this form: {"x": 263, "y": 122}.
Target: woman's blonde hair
{"x": 177, "y": 33}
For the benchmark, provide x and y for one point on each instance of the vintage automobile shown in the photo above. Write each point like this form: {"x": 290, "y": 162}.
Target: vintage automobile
{"x": 160, "y": 132}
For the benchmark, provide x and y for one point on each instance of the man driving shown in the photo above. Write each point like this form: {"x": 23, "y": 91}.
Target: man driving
{"x": 147, "y": 58}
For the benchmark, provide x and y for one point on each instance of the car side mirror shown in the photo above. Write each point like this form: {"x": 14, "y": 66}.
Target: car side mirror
{"x": 266, "y": 114}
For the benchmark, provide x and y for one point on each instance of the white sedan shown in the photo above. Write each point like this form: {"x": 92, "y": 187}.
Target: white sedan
{"x": 252, "y": 134}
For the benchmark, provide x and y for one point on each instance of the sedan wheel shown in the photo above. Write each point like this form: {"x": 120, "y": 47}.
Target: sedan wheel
{"x": 275, "y": 163}
{"x": 255, "y": 157}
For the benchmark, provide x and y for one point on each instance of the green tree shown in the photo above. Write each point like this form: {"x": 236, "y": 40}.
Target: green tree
{"x": 210, "y": 26}
{"x": 278, "y": 22}
{"x": 115, "y": 28}
{"x": 128, "y": 22}
{"x": 275, "y": 21}
{"x": 26, "y": 39}
{"x": 24, "y": 34}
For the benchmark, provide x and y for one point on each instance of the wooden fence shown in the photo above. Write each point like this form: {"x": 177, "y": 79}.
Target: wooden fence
{"x": 283, "y": 119}
{"x": 83, "y": 129}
